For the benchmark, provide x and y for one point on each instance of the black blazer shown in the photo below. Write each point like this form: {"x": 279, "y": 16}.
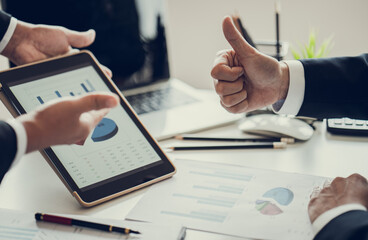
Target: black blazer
{"x": 336, "y": 87}
{"x": 8, "y": 147}
{"x": 8, "y": 141}
{"x": 348, "y": 226}
{"x": 4, "y": 23}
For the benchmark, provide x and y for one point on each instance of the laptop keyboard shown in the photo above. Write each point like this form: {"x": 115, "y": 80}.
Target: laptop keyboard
{"x": 160, "y": 99}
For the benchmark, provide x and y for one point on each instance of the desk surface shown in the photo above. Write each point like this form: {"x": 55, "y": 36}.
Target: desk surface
{"x": 32, "y": 185}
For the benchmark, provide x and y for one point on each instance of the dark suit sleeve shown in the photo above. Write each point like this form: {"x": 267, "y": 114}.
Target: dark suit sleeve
{"x": 336, "y": 87}
{"x": 348, "y": 226}
{"x": 8, "y": 147}
{"x": 4, "y": 23}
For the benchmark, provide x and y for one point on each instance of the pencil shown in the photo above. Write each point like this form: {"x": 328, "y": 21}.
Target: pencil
{"x": 275, "y": 145}
{"x": 228, "y": 139}
{"x": 80, "y": 223}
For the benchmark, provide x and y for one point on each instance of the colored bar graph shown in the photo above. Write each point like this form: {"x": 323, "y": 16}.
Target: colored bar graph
{"x": 90, "y": 86}
{"x": 58, "y": 94}
{"x": 84, "y": 87}
{"x": 198, "y": 215}
{"x": 7, "y": 232}
{"x": 40, "y": 100}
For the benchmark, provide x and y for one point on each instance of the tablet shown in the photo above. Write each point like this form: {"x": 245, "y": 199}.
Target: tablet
{"x": 119, "y": 156}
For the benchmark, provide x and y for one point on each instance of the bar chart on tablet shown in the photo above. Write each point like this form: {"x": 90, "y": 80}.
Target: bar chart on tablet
{"x": 116, "y": 146}
{"x": 62, "y": 91}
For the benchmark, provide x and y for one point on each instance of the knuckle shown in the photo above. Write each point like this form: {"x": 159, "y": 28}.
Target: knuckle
{"x": 214, "y": 72}
{"x": 337, "y": 181}
{"x": 220, "y": 88}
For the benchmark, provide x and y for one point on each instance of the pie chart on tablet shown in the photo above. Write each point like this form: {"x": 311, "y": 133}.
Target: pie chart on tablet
{"x": 104, "y": 130}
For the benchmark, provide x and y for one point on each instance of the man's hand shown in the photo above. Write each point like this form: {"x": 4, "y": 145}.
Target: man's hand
{"x": 31, "y": 42}
{"x": 246, "y": 79}
{"x": 353, "y": 189}
{"x": 67, "y": 121}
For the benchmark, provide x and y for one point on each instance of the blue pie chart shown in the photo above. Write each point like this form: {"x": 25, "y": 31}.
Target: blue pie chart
{"x": 104, "y": 130}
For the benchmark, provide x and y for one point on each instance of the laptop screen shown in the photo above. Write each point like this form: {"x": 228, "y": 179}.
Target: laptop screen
{"x": 130, "y": 37}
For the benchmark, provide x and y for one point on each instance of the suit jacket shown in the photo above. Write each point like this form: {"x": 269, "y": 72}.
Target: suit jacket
{"x": 8, "y": 141}
{"x": 8, "y": 147}
{"x": 336, "y": 87}
{"x": 348, "y": 226}
{"x": 4, "y": 23}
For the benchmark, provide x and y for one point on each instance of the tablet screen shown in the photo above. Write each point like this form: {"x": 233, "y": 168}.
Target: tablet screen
{"x": 116, "y": 147}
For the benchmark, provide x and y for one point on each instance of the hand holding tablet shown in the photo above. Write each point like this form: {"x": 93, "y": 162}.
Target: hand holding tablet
{"x": 119, "y": 155}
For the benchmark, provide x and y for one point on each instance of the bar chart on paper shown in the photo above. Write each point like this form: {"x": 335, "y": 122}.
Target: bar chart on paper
{"x": 231, "y": 200}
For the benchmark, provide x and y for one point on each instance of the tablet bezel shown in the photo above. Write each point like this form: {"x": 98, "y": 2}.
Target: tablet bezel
{"x": 101, "y": 191}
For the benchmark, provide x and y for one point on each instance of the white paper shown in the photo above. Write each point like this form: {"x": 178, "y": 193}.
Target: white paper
{"x": 232, "y": 200}
{"x": 23, "y": 226}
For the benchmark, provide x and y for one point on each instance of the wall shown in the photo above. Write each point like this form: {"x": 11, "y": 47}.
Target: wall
{"x": 195, "y": 33}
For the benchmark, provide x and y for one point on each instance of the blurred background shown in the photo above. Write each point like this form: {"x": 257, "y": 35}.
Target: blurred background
{"x": 194, "y": 34}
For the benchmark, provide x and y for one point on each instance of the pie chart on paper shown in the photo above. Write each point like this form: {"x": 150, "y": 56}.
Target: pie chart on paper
{"x": 104, "y": 130}
{"x": 276, "y": 196}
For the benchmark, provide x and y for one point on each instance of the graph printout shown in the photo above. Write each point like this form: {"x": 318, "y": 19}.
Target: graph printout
{"x": 17, "y": 225}
{"x": 234, "y": 200}
{"x": 114, "y": 147}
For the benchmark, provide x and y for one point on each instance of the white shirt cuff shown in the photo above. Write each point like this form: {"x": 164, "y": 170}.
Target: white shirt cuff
{"x": 8, "y": 34}
{"x": 326, "y": 217}
{"x": 21, "y": 135}
{"x": 295, "y": 96}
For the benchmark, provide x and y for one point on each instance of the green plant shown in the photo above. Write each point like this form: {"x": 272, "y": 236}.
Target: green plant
{"x": 310, "y": 50}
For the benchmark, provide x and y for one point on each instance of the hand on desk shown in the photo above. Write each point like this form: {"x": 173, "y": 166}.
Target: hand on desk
{"x": 67, "y": 121}
{"x": 246, "y": 79}
{"x": 353, "y": 189}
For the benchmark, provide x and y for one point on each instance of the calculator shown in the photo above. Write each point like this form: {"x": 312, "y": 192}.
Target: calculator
{"x": 347, "y": 126}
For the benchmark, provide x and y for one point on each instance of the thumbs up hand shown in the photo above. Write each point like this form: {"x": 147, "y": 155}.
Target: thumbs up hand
{"x": 246, "y": 79}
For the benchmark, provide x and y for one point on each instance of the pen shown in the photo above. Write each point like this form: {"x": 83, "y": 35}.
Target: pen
{"x": 240, "y": 139}
{"x": 275, "y": 145}
{"x": 278, "y": 31}
{"x": 75, "y": 222}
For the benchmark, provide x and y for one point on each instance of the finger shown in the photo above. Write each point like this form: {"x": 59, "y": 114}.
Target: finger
{"x": 234, "y": 99}
{"x": 233, "y": 36}
{"x": 238, "y": 108}
{"x": 106, "y": 70}
{"x": 89, "y": 120}
{"x": 96, "y": 116}
{"x": 225, "y": 72}
{"x": 357, "y": 177}
{"x": 73, "y": 50}
{"x": 80, "y": 39}
{"x": 224, "y": 88}
{"x": 315, "y": 192}
{"x": 327, "y": 183}
{"x": 96, "y": 101}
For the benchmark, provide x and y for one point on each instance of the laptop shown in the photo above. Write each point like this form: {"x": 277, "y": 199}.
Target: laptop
{"x": 167, "y": 106}
{"x": 131, "y": 41}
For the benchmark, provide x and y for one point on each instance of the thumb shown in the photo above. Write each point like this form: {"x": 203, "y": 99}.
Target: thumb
{"x": 236, "y": 40}
{"x": 80, "y": 39}
{"x": 96, "y": 101}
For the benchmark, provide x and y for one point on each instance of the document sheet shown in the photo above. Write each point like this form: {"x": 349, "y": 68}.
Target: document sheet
{"x": 23, "y": 226}
{"x": 233, "y": 200}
